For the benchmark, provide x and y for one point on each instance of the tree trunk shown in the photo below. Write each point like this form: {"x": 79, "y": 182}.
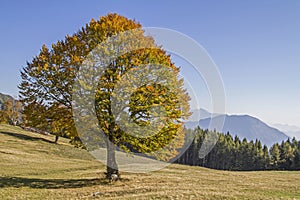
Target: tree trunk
{"x": 112, "y": 166}
{"x": 15, "y": 122}
{"x": 56, "y": 139}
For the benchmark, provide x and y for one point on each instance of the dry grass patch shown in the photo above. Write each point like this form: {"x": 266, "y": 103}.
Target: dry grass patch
{"x": 32, "y": 167}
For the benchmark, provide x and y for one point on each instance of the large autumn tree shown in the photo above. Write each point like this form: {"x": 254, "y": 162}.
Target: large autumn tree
{"x": 48, "y": 83}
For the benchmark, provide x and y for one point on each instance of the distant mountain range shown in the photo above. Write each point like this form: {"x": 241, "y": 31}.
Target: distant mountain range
{"x": 199, "y": 114}
{"x": 244, "y": 126}
{"x": 291, "y": 131}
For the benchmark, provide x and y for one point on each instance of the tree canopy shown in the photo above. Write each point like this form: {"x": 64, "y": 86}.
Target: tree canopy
{"x": 47, "y": 89}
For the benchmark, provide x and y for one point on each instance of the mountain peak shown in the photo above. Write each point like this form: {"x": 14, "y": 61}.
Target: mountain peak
{"x": 199, "y": 114}
{"x": 244, "y": 126}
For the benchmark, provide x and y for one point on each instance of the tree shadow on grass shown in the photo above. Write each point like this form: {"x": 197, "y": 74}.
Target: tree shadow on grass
{"x": 26, "y": 137}
{"x": 18, "y": 182}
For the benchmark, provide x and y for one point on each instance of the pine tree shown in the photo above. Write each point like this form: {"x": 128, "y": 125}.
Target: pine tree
{"x": 297, "y": 156}
{"x": 286, "y": 155}
{"x": 275, "y": 156}
{"x": 266, "y": 158}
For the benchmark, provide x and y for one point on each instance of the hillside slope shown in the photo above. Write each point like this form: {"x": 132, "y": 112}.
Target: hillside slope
{"x": 33, "y": 167}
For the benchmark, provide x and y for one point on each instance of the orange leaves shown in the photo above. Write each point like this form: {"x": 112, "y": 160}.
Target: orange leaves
{"x": 50, "y": 77}
{"x": 76, "y": 59}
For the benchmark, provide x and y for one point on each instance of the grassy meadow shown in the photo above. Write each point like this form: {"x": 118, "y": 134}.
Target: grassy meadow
{"x": 33, "y": 167}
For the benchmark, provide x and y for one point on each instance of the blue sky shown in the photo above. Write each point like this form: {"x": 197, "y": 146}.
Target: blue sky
{"x": 255, "y": 44}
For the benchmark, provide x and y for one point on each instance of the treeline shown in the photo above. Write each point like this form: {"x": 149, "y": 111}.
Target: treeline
{"x": 234, "y": 154}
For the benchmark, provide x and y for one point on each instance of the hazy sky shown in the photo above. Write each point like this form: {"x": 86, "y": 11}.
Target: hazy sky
{"x": 255, "y": 44}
